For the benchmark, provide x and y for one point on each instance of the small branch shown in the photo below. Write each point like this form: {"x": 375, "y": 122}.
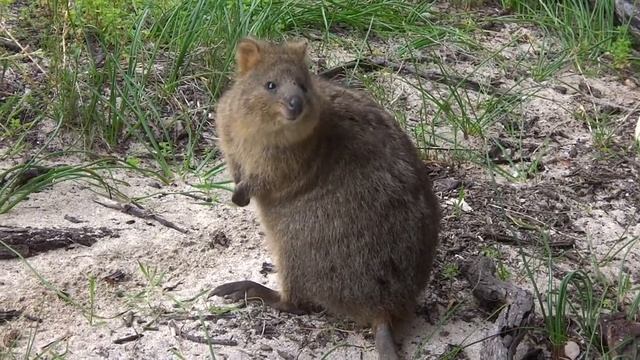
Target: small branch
{"x": 208, "y": 317}
{"x": 172, "y": 287}
{"x": 201, "y": 339}
{"x": 54, "y": 342}
{"x": 22, "y": 49}
{"x": 529, "y": 217}
{"x": 127, "y": 339}
{"x": 505, "y": 161}
{"x": 501, "y": 237}
{"x": 369, "y": 65}
{"x": 511, "y": 240}
{"x": 141, "y": 213}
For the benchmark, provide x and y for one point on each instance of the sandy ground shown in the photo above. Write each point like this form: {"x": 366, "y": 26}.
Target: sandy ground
{"x": 224, "y": 243}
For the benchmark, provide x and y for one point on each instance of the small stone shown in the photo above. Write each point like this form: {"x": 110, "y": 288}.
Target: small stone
{"x": 459, "y": 204}
{"x": 10, "y": 338}
{"x": 560, "y": 89}
{"x": 589, "y": 90}
{"x": 154, "y": 184}
{"x": 265, "y": 347}
{"x": 572, "y": 350}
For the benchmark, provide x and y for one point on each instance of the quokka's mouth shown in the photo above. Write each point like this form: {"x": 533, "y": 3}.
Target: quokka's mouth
{"x": 289, "y": 115}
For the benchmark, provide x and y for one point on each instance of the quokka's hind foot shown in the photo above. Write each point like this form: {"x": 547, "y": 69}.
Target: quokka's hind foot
{"x": 240, "y": 290}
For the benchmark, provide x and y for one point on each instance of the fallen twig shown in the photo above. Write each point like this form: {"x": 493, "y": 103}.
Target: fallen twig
{"x": 22, "y": 49}
{"x": 506, "y": 161}
{"x": 127, "y": 339}
{"x": 141, "y": 213}
{"x": 208, "y": 317}
{"x": 529, "y": 217}
{"x": 511, "y": 240}
{"x": 73, "y": 219}
{"x": 379, "y": 63}
{"x": 56, "y": 341}
{"x": 172, "y": 287}
{"x": 201, "y": 339}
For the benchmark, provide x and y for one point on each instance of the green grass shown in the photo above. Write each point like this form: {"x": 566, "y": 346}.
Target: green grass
{"x": 17, "y": 183}
{"x": 135, "y": 72}
{"x": 587, "y": 29}
{"x": 140, "y": 72}
{"x": 572, "y": 307}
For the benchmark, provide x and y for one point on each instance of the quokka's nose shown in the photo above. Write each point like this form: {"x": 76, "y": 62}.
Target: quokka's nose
{"x": 294, "y": 106}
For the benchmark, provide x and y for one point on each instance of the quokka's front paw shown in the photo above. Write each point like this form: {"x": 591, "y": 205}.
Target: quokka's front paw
{"x": 241, "y": 196}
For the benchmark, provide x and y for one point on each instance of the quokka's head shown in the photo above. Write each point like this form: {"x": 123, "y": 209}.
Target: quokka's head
{"x": 276, "y": 86}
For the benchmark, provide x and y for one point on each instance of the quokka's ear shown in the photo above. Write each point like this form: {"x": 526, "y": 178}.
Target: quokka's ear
{"x": 299, "y": 48}
{"x": 247, "y": 55}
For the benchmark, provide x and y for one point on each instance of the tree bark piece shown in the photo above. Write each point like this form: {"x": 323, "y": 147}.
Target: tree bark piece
{"x": 517, "y": 314}
{"x": 31, "y": 241}
{"x": 621, "y": 336}
{"x": 127, "y": 339}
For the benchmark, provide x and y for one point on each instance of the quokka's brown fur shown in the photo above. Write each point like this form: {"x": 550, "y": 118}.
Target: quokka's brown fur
{"x": 348, "y": 208}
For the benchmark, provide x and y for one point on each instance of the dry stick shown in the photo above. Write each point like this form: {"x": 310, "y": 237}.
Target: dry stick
{"x": 208, "y": 317}
{"x": 62, "y": 338}
{"x": 515, "y": 317}
{"x": 22, "y": 48}
{"x": 141, "y": 213}
{"x": 201, "y": 339}
{"x": 193, "y": 196}
{"x": 127, "y": 339}
{"x": 509, "y": 239}
{"x": 369, "y": 65}
{"x": 535, "y": 220}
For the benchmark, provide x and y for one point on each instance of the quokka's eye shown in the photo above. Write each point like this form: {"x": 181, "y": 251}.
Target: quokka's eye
{"x": 270, "y": 85}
